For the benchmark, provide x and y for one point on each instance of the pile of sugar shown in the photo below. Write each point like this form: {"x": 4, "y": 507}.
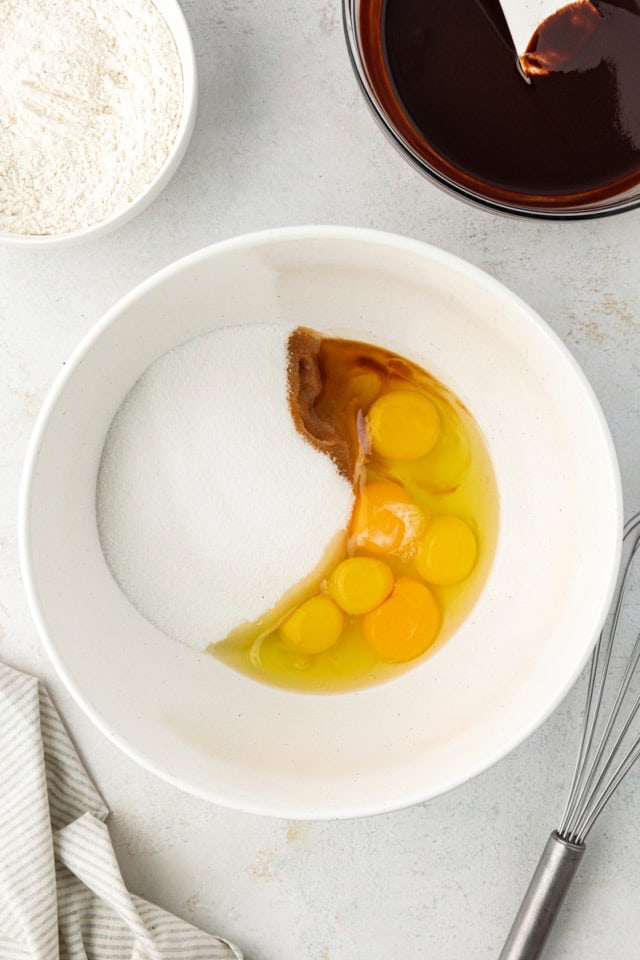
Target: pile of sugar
{"x": 90, "y": 104}
{"x": 210, "y": 504}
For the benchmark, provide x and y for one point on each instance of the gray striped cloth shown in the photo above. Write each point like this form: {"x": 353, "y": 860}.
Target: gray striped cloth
{"x": 62, "y": 896}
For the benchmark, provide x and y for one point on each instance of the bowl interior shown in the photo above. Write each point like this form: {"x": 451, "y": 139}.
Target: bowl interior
{"x": 223, "y": 736}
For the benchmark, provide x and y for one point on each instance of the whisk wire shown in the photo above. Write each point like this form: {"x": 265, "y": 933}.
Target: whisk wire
{"x": 602, "y": 653}
{"x": 597, "y": 788}
{"x": 595, "y": 693}
{"x": 593, "y": 781}
{"x": 617, "y": 777}
{"x": 585, "y": 743}
{"x": 597, "y": 770}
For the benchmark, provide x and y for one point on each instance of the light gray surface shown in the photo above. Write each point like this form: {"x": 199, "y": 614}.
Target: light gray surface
{"x": 283, "y": 137}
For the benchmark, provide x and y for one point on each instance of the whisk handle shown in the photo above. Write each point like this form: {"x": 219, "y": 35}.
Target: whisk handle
{"x": 543, "y": 899}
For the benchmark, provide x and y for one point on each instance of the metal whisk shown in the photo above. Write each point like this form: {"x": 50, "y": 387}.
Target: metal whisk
{"x": 609, "y": 747}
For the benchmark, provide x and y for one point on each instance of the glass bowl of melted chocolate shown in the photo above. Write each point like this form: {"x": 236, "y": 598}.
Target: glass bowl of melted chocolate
{"x": 552, "y": 134}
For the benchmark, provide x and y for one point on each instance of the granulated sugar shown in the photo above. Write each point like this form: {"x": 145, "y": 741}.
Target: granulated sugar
{"x": 210, "y": 504}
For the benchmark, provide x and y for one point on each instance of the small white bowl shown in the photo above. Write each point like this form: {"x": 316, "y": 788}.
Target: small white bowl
{"x": 177, "y": 24}
{"x": 223, "y": 736}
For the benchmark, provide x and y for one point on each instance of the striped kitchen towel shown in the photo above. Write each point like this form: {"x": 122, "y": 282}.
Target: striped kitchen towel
{"x": 62, "y": 896}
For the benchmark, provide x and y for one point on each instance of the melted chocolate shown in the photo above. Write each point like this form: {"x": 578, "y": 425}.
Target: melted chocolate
{"x": 452, "y": 88}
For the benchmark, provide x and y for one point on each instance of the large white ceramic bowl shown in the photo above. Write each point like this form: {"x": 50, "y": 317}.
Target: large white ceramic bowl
{"x": 223, "y": 736}
{"x": 172, "y": 13}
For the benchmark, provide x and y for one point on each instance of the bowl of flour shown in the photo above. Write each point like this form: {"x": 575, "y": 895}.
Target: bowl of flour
{"x": 133, "y": 393}
{"x": 97, "y": 106}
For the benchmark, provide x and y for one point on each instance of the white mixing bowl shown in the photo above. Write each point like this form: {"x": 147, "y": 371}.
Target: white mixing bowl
{"x": 223, "y": 736}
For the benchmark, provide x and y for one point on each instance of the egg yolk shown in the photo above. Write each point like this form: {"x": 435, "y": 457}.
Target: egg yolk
{"x": 385, "y": 519}
{"x": 359, "y": 584}
{"x": 314, "y": 627}
{"x": 405, "y": 625}
{"x": 447, "y": 552}
{"x": 403, "y": 425}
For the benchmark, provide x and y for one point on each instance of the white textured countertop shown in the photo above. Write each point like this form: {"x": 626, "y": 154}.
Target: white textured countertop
{"x": 284, "y": 137}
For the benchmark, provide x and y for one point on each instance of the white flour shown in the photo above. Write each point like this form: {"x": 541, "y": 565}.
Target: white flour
{"x": 210, "y": 504}
{"x": 90, "y": 103}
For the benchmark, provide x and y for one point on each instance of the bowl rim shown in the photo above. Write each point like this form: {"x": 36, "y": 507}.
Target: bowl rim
{"x": 179, "y": 30}
{"x": 260, "y": 238}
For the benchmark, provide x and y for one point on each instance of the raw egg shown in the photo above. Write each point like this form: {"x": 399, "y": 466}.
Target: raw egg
{"x": 403, "y": 425}
{"x": 314, "y": 627}
{"x": 447, "y": 552}
{"x": 405, "y": 625}
{"x": 360, "y": 584}
{"x": 385, "y": 518}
